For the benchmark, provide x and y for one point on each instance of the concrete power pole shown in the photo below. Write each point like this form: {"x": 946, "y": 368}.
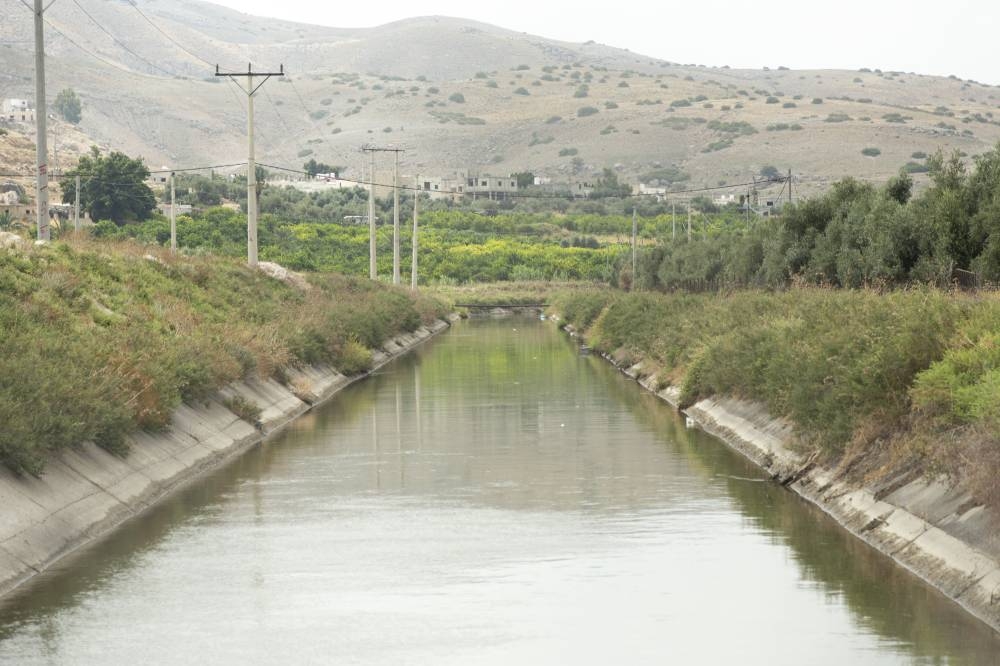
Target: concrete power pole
{"x": 173, "y": 214}
{"x": 41, "y": 126}
{"x": 76, "y": 208}
{"x": 395, "y": 222}
{"x": 373, "y": 268}
{"x": 372, "y": 265}
{"x": 413, "y": 260}
{"x": 251, "y": 90}
{"x": 635, "y": 238}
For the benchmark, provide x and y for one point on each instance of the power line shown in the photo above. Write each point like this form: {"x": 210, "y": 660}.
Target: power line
{"x": 119, "y": 42}
{"x": 110, "y": 63}
{"x": 151, "y": 172}
{"x": 167, "y": 35}
{"x": 526, "y": 195}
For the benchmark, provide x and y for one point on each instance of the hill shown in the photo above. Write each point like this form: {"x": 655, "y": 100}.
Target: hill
{"x": 464, "y": 95}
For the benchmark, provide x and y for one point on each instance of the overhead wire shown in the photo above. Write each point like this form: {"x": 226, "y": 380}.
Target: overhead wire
{"x": 100, "y": 58}
{"x": 526, "y": 195}
{"x": 117, "y": 41}
{"x": 173, "y": 41}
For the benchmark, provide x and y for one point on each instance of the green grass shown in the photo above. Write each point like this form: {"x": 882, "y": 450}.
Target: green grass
{"x": 101, "y": 339}
{"x": 856, "y": 371}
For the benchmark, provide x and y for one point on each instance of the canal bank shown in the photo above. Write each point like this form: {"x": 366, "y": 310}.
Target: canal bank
{"x": 935, "y": 530}
{"x": 493, "y": 497}
{"x": 86, "y": 492}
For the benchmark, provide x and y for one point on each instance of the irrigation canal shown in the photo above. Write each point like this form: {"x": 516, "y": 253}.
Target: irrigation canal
{"x": 493, "y": 498}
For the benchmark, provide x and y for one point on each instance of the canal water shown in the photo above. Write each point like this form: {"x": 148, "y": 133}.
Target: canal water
{"x": 493, "y": 498}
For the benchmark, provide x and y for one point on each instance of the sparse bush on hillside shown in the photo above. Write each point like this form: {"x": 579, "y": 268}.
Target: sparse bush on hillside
{"x": 457, "y": 98}
{"x": 665, "y": 175}
{"x": 522, "y": 91}
{"x": 445, "y": 117}
{"x": 782, "y": 127}
{"x": 837, "y": 118}
{"x": 718, "y": 145}
{"x": 741, "y": 128}
{"x": 585, "y": 111}
{"x": 772, "y": 100}
{"x": 552, "y": 120}
{"x": 817, "y": 100}
{"x": 610, "y": 105}
{"x": 871, "y": 152}
{"x": 568, "y": 152}
{"x": 680, "y": 103}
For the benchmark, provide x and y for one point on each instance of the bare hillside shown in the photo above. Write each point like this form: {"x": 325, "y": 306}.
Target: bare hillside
{"x": 463, "y": 95}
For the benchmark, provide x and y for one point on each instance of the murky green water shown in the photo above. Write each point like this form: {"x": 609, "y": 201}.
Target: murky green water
{"x": 494, "y": 498}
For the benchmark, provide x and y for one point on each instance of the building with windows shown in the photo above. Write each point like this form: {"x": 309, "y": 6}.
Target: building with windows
{"x": 17, "y": 111}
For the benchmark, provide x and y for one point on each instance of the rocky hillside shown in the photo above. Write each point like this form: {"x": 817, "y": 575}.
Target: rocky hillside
{"x": 462, "y": 95}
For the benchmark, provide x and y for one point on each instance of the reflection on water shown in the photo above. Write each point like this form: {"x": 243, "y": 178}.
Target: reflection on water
{"x": 494, "y": 498}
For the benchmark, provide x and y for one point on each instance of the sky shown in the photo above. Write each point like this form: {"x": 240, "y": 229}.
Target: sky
{"x": 957, "y": 37}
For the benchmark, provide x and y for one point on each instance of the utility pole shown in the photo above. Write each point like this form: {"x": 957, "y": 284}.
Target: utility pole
{"x": 372, "y": 265}
{"x": 789, "y": 186}
{"x": 395, "y": 222}
{"x": 373, "y": 268}
{"x": 748, "y": 207}
{"x": 173, "y": 214}
{"x": 413, "y": 261}
{"x": 76, "y": 208}
{"x": 635, "y": 238}
{"x": 55, "y": 142}
{"x": 41, "y": 117}
{"x": 251, "y": 90}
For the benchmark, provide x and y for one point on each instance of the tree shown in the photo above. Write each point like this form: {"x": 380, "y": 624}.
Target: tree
{"x": 312, "y": 167}
{"x": 111, "y": 188}
{"x": 68, "y": 106}
{"x": 900, "y": 187}
{"x": 524, "y": 179}
{"x": 609, "y": 186}
{"x": 770, "y": 172}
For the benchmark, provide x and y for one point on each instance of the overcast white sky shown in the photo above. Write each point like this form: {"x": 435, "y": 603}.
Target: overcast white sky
{"x": 954, "y": 37}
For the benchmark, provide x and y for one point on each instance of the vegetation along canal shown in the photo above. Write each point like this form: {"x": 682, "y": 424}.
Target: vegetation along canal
{"x": 493, "y": 498}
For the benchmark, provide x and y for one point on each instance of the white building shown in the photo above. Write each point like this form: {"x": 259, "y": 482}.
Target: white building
{"x": 17, "y": 110}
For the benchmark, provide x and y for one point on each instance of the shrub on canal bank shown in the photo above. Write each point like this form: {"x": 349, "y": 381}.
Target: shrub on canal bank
{"x": 100, "y": 339}
{"x": 856, "y": 371}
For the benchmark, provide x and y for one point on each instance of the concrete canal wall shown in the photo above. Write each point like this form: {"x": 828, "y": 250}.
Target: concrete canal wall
{"x": 87, "y": 492}
{"x": 937, "y": 531}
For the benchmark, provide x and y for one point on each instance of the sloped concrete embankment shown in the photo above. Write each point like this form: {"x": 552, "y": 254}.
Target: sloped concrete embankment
{"x": 937, "y": 531}
{"x": 87, "y": 491}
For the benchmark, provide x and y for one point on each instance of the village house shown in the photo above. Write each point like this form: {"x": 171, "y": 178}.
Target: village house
{"x": 17, "y": 111}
